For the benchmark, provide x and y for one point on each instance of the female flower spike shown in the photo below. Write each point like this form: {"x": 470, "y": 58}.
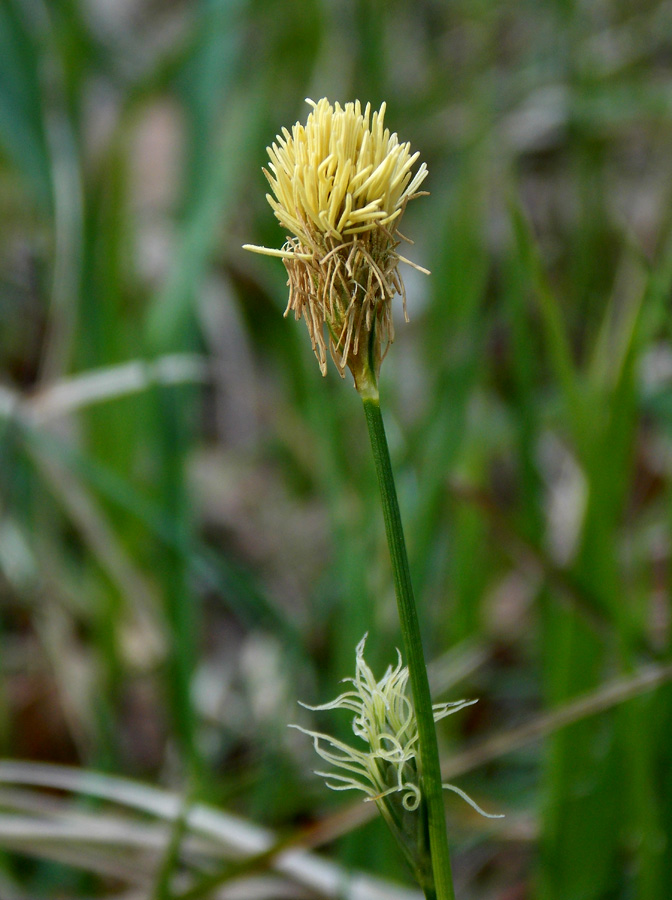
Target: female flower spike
{"x": 340, "y": 184}
{"x": 386, "y": 768}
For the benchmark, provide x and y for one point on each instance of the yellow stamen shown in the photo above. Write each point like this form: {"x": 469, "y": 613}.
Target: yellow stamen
{"x": 339, "y": 185}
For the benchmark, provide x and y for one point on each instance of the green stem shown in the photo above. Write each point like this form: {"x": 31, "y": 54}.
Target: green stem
{"x": 429, "y": 766}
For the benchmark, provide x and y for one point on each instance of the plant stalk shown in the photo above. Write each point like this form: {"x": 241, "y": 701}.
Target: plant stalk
{"x": 428, "y": 751}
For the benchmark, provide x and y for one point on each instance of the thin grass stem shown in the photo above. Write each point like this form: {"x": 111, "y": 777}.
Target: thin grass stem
{"x": 429, "y": 765}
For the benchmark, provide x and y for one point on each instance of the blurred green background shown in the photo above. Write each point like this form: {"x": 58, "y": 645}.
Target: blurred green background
{"x": 190, "y": 536}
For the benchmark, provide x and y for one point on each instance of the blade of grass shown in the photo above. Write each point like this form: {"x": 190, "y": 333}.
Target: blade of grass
{"x": 170, "y": 309}
{"x": 231, "y": 833}
{"x": 235, "y": 586}
{"x": 560, "y": 353}
{"x": 21, "y": 124}
{"x": 170, "y": 861}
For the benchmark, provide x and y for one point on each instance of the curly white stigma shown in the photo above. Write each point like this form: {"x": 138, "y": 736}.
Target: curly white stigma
{"x": 385, "y": 721}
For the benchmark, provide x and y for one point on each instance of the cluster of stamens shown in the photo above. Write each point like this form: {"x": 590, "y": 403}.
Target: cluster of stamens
{"x": 339, "y": 186}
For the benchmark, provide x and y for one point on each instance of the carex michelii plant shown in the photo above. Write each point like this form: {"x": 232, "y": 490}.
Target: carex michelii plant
{"x": 340, "y": 185}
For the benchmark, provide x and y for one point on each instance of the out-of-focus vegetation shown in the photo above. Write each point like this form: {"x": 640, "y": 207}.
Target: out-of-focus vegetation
{"x": 190, "y": 539}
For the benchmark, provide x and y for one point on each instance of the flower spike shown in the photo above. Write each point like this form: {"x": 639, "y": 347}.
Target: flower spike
{"x": 387, "y": 769}
{"x": 339, "y": 187}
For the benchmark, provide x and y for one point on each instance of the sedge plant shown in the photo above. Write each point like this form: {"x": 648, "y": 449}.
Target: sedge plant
{"x": 339, "y": 187}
